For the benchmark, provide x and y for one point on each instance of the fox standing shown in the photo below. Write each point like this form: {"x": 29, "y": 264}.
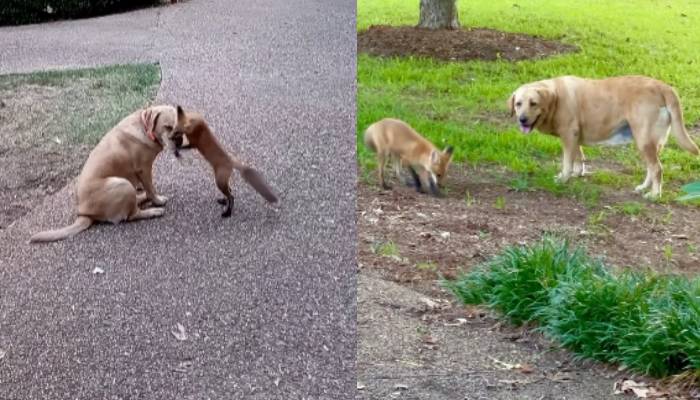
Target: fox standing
{"x": 199, "y": 136}
{"x": 392, "y": 138}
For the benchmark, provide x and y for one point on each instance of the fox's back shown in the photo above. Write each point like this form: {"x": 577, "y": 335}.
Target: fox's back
{"x": 394, "y": 136}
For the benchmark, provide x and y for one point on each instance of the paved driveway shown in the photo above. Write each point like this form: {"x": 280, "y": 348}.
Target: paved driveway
{"x": 267, "y": 298}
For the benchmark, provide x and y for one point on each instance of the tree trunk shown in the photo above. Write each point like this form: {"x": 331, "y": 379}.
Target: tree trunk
{"x": 438, "y": 14}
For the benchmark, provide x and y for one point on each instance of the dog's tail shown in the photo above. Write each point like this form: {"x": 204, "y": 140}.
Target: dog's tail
{"x": 80, "y": 224}
{"x": 677, "y": 125}
{"x": 254, "y": 179}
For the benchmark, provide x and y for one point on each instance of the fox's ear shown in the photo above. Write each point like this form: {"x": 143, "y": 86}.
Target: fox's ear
{"x": 180, "y": 113}
{"x": 434, "y": 157}
{"x": 511, "y": 104}
{"x": 449, "y": 150}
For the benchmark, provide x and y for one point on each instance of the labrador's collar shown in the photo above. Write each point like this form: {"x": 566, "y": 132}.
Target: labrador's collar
{"x": 151, "y": 135}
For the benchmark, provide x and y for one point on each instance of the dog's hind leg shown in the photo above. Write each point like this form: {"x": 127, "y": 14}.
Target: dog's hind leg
{"x": 650, "y": 135}
{"x": 152, "y": 212}
{"x": 650, "y": 152}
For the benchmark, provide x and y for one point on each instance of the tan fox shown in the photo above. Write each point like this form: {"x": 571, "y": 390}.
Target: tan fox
{"x": 392, "y": 138}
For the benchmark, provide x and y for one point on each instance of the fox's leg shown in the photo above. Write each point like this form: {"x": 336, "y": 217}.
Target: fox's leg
{"x": 432, "y": 182}
{"x": 381, "y": 162}
{"x": 397, "y": 167}
{"x": 416, "y": 179}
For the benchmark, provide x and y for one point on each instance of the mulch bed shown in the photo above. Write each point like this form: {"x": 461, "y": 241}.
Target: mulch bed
{"x": 455, "y": 44}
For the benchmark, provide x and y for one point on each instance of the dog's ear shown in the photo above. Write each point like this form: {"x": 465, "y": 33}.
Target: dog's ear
{"x": 153, "y": 123}
{"x": 146, "y": 117}
{"x": 449, "y": 150}
{"x": 511, "y": 104}
{"x": 548, "y": 97}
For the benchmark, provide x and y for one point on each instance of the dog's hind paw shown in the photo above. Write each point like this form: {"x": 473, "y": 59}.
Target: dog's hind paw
{"x": 562, "y": 178}
{"x": 159, "y": 200}
{"x": 651, "y": 196}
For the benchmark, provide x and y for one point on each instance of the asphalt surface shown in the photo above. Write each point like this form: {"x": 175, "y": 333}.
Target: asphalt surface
{"x": 267, "y": 298}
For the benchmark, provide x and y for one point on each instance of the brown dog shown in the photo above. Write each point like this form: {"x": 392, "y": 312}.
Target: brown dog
{"x": 198, "y": 135}
{"x": 120, "y": 162}
{"x": 607, "y": 111}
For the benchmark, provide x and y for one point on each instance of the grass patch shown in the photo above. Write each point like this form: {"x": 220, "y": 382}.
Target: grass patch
{"x": 631, "y": 208}
{"x": 448, "y": 101}
{"x": 88, "y": 102}
{"x": 646, "y": 321}
{"x": 386, "y": 249}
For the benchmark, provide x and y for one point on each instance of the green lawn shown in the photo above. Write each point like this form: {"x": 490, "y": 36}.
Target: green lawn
{"x": 464, "y": 103}
{"x": 81, "y": 105}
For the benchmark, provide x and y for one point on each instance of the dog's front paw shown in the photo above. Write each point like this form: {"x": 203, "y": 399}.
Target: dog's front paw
{"x": 640, "y": 188}
{"x": 159, "y": 200}
{"x": 562, "y": 178}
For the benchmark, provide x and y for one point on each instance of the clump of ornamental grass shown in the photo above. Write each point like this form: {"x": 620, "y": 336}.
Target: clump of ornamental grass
{"x": 644, "y": 320}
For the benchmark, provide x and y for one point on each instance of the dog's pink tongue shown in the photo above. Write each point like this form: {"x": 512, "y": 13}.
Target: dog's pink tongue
{"x": 525, "y": 128}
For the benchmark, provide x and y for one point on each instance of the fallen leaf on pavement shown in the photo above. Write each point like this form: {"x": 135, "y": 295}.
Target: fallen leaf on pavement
{"x": 183, "y": 367}
{"x": 429, "y": 339}
{"x": 458, "y": 322}
{"x": 180, "y": 333}
{"x": 430, "y": 303}
{"x": 640, "y": 389}
{"x": 526, "y": 368}
{"x": 561, "y": 377}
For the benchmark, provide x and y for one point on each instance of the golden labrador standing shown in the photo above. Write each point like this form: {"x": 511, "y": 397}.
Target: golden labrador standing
{"x": 606, "y": 111}
{"x": 122, "y": 161}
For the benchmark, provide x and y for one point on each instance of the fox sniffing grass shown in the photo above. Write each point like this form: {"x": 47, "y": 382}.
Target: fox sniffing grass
{"x": 395, "y": 139}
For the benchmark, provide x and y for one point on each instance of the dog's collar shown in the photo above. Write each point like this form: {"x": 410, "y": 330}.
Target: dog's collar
{"x": 151, "y": 135}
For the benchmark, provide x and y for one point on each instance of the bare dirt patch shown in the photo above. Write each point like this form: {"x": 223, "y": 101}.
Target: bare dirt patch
{"x": 416, "y": 341}
{"x": 455, "y": 44}
{"x": 50, "y": 120}
{"x": 434, "y": 237}
{"x": 36, "y": 160}
{"x": 414, "y": 347}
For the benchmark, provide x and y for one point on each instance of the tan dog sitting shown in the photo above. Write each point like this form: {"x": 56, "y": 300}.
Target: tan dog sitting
{"x": 121, "y": 162}
{"x": 607, "y": 111}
